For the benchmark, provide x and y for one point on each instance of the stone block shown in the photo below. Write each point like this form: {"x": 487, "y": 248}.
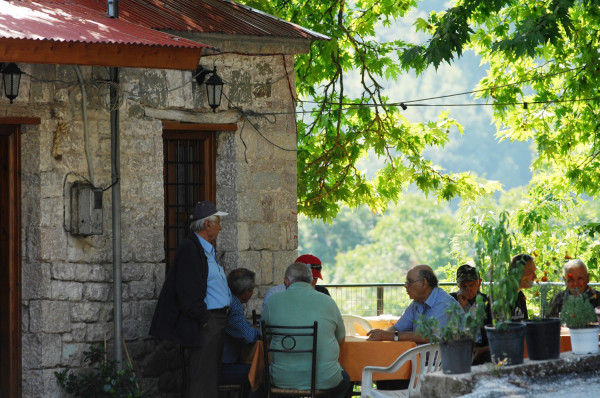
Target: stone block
{"x": 243, "y": 237}
{"x": 96, "y": 291}
{"x": 69, "y": 291}
{"x": 79, "y": 272}
{"x": 49, "y": 316}
{"x": 138, "y": 271}
{"x": 251, "y": 260}
{"x": 143, "y": 290}
{"x": 53, "y": 244}
{"x": 97, "y": 331}
{"x": 36, "y": 281}
{"x": 87, "y": 312}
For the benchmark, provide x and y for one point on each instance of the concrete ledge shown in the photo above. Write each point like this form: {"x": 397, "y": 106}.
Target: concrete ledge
{"x": 438, "y": 385}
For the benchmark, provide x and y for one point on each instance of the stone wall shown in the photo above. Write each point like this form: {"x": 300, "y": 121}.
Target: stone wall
{"x": 67, "y": 280}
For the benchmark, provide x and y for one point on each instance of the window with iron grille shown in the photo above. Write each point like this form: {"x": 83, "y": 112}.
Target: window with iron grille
{"x": 189, "y": 177}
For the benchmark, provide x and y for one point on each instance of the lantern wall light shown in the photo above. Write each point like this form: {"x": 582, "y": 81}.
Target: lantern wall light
{"x": 214, "y": 85}
{"x": 11, "y": 79}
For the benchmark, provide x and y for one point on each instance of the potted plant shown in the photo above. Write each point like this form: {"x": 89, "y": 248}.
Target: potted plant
{"x": 579, "y": 316}
{"x": 542, "y": 334}
{"x": 455, "y": 337}
{"x": 494, "y": 248}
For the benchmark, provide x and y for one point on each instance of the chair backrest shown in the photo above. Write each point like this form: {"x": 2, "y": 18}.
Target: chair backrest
{"x": 424, "y": 359}
{"x": 351, "y": 320}
{"x": 287, "y": 338}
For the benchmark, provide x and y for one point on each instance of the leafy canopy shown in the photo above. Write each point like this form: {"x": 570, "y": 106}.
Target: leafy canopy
{"x": 543, "y": 81}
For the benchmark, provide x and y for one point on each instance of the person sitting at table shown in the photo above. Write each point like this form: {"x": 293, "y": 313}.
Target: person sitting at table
{"x": 519, "y": 311}
{"x": 315, "y": 266}
{"x": 576, "y": 277}
{"x": 300, "y": 304}
{"x": 469, "y": 283}
{"x": 238, "y": 332}
{"x": 428, "y": 299}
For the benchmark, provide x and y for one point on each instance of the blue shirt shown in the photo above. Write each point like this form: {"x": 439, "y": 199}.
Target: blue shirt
{"x": 435, "y": 306}
{"x": 240, "y": 331}
{"x": 218, "y": 294}
{"x": 274, "y": 289}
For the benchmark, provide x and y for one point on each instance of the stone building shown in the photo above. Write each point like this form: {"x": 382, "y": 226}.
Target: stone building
{"x": 89, "y": 210}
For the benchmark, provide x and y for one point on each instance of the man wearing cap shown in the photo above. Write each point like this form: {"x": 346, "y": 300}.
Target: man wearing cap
{"x": 194, "y": 302}
{"x": 315, "y": 266}
{"x": 469, "y": 283}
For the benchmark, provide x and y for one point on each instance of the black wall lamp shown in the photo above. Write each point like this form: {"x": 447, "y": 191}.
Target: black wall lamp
{"x": 11, "y": 78}
{"x": 214, "y": 85}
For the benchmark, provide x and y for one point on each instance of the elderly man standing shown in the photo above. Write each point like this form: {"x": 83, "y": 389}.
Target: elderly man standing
{"x": 300, "y": 304}
{"x": 577, "y": 277}
{"x": 194, "y": 302}
{"x": 428, "y": 299}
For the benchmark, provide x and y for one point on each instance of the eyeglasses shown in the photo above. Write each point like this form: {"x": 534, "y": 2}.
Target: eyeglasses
{"x": 409, "y": 282}
{"x": 318, "y": 267}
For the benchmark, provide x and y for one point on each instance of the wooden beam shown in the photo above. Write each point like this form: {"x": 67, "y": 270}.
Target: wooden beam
{"x": 170, "y": 125}
{"x": 102, "y": 54}
{"x": 20, "y": 120}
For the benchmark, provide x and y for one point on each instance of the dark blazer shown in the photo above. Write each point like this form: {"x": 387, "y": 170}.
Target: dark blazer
{"x": 181, "y": 311}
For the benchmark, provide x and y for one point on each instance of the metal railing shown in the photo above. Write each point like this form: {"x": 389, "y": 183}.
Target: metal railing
{"x": 371, "y": 299}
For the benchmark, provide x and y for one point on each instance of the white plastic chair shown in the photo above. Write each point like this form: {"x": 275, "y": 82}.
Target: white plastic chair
{"x": 351, "y": 320}
{"x": 424, "y": 359}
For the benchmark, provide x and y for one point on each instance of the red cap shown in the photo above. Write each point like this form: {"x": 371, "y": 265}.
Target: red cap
{"x": 313, "y": 262}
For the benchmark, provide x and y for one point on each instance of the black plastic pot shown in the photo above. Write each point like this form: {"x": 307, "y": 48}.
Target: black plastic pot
{"x": 457, "y": 356}
{"x": 543, "y": 338}
{"x": 507, "y": 345}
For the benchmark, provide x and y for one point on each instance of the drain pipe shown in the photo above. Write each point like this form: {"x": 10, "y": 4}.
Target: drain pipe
{"x": 115, "y": 161}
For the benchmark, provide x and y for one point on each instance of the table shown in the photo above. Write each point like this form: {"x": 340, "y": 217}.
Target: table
{"x": 355, "y": 353}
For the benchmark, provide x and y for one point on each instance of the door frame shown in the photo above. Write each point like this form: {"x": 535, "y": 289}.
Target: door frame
{"x": 10, "y": 254}
{"x": 10, "y": 260}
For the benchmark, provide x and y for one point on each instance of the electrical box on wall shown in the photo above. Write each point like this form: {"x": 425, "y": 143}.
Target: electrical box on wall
{"x": 86, "y": 209}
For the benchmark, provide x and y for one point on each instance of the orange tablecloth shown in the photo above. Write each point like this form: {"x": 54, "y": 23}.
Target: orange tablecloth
{"x": 355, "y": 354}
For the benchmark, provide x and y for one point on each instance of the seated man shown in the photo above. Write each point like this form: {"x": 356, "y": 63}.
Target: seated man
{"x": 428, "y": 299}
{"x": 315, "y": 266}
{"x": 469, "y": 283}
{"x": 577, "y": 277}
{"x": 300, "y": 304}
{"x": 519, "y": 312}
{"x": 238, "y": 332}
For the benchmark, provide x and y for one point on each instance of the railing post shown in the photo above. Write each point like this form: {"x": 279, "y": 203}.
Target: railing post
{"x": 379, "y": 300}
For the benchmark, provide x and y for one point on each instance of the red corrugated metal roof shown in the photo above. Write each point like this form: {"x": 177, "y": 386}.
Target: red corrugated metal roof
{"x": 71, "y": 22}
{"x": 204, "y": 16}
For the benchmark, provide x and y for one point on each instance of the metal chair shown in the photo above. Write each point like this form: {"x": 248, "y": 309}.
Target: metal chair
{"x": 290, "y": 340}
{"x": 351, "y": 320}
{"x": 424, "y": 359}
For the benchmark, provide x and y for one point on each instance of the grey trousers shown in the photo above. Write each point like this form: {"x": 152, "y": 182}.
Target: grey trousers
{"x": 205, "y": 361}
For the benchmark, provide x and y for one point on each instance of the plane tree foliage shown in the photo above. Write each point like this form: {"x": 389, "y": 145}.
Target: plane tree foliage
{"x": 336, "y": 128}
{"x": 543, "y": 84}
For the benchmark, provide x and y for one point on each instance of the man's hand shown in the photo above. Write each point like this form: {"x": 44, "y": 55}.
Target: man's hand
{"x": 380, "y": 335}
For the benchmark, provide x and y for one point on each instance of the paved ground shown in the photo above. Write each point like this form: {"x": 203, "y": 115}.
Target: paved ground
{"x": 573, "y": 385}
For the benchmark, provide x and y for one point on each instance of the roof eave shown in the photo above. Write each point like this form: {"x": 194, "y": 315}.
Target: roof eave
{"x": 102, "y": 54}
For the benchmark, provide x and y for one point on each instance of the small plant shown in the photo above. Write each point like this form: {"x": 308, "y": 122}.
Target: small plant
{"x": 460, "y": 326}
{"x": 577, "y": 312}
{"x": 494, "y": 248}
{"x": 104, "y": 381}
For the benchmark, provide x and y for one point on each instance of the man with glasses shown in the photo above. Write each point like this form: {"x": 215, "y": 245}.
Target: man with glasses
{"x": 428, "y": 299}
